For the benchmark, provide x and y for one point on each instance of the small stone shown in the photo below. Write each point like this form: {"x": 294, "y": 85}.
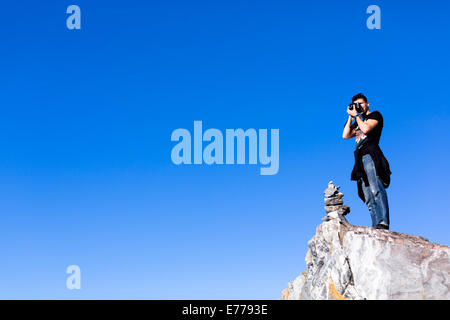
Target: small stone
{"x": 338, "y": 195}
{"x": 332, "y": 208}
{"x": 344, "y": 210}
{"x": 333, "y": 215}
{"x": 332, "y": 189}
{"x": 333, "y": 201}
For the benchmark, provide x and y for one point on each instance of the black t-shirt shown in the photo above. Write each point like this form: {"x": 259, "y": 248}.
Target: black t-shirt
{"x": 368, "y": 144}
{"x": 364, "y": 141}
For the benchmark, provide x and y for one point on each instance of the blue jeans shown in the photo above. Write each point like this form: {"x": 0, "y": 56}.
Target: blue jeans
{"x": 375, "y": 194}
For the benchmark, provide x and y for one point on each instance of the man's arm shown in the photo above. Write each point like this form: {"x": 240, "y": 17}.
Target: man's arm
{"x": 366, "y": 126}
{"x": 348, "y": 133}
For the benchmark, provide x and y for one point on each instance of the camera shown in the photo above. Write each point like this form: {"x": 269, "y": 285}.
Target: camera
{"x": 357, "y": 107}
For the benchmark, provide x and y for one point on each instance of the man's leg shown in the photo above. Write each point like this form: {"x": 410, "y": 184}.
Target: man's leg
{"x": 375, "y": 194}
{"x": 383, "y": 203}
{"x": 370, "y": 202}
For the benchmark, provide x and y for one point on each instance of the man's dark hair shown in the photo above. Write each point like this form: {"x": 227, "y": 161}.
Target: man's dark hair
{"x": 359, "y": 96}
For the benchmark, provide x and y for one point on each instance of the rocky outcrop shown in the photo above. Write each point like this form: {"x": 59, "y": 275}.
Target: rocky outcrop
{"x": 354, "y": 262}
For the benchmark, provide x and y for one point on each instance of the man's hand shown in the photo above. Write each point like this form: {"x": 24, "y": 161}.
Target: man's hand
{"x": 351, "y": 112}
{"x": 348, "y": 133}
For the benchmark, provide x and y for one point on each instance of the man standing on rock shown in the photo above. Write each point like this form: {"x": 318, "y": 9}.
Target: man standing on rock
{"x": 371, "y": 169}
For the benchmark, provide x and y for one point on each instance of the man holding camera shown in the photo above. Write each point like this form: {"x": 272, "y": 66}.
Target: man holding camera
{"x": 371, "y": 169}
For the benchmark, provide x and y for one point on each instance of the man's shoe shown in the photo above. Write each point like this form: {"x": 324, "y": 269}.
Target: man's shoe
{"x": 382, "y": 226}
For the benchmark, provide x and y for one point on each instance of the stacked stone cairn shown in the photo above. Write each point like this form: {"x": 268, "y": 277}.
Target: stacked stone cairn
{"x": 334, "y": 204}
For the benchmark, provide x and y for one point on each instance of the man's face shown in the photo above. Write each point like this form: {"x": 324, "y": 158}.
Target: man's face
{"x": 364, "y": 105}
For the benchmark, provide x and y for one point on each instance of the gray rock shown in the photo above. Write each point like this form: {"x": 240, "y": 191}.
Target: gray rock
{"x": 331, "y": 190}
{"x": 344, "y": 210}
{"x": 333, "y": 215}
{"x": 333, "y": 201}
{"x": 329, "y": 209}
{"x": 353, "y": 262}
{"x": 338, "y": 195}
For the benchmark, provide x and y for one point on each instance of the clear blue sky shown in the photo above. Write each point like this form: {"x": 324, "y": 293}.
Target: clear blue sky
{"x": 86, "y": 176}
